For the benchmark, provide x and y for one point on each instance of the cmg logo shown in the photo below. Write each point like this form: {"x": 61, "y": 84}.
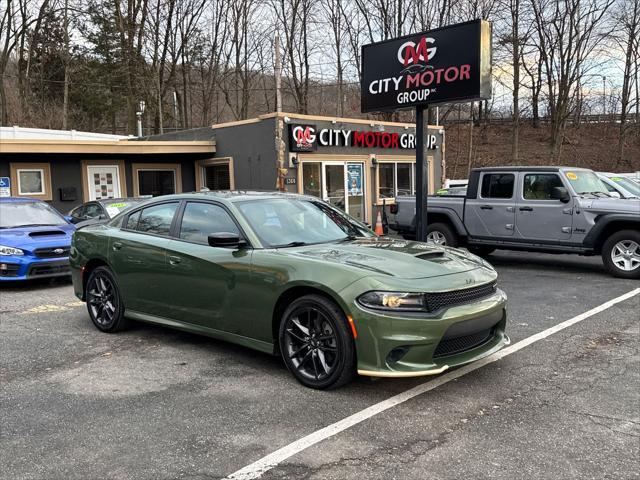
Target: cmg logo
{"x": 304, "y": 135}
{"x": 411, "y": 54}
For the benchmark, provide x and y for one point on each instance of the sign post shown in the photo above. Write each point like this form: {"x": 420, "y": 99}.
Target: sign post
{"x": 451, "y": 64}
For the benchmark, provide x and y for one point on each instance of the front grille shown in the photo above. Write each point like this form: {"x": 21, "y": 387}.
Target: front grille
{"x": 440, "y": 300}
{"x": 452, "y": 346}
{"x": 48, "y": 270}
{"x": 53, "y": 252}
{"x": 9, "y": 269}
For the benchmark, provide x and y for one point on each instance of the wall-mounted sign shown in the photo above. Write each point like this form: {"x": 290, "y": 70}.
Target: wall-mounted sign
{"x": 302, "y": 138}
{"x": 5, "y": 187}
{"x": 290, "y": 181}
{"x": 446, "y": 65}
{"x": 329, "y": 137}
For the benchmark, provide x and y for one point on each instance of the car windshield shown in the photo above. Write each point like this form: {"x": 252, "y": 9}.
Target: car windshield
{"x": 117, "y": 206}
{"x": 629, "y": 185}
{"x": 28, "y": 214}
{"x": 286, "y": 222}
{"x": 586, "y": 182}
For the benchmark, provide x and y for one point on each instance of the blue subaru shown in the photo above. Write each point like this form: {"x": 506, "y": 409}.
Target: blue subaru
{"x": 34, "y": 240}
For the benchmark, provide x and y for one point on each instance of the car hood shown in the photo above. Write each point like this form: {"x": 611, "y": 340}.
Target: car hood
{"x": 397, "y": 258}
{"x": 29, "y": 238}
{"x": 612, "y": 205}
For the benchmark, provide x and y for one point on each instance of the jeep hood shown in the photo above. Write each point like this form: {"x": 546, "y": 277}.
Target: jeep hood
{"x": 397, "y": 258}
{"x": 612, "y": 205}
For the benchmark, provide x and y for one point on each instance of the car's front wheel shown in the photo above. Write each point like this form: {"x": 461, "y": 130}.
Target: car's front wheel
{"x": 104, "y": 301}
{"x": 316, "y": 343}
{"x": 621, "y": 254}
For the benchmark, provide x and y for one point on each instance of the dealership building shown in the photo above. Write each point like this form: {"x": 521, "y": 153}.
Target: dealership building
{"x": 354, "y": 164}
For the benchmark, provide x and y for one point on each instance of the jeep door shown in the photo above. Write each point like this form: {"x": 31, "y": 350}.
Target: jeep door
{"x": 538, "y": 215}
{"x": 210, "y": 286}
{"x": 492, "y": 213}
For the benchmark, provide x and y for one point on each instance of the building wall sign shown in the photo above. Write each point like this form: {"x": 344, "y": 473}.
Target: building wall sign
{"x": 446, "y": 65}
{"x": 306, "y": 138}
{"x": 302, "y": 138}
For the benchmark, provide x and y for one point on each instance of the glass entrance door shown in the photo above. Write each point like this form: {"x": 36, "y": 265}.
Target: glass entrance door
{"x": 334, "y": 182}
{"x": 342, "y": 184}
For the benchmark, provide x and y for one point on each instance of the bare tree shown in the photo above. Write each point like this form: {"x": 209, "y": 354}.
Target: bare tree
{"x": 626, "y": 38}
{"x": 567, "y": 34}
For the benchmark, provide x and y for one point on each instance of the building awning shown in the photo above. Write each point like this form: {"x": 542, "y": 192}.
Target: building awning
{"x": 121, "y": 147}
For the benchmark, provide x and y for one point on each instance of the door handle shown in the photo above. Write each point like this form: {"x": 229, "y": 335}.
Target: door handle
{"x": 526, "y": 209}
{"x": 173, "y": 260}
{"x": 486, "y": 207}
{"x": 117, "y": 246}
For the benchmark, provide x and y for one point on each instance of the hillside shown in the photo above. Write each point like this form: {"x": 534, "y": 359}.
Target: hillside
{"x": 587, "y": 145}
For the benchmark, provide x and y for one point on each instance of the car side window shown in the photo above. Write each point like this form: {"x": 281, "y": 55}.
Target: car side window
{"x": 201, "y": 219}
{"x": 132, "y": 221}
{"x": 538, "y": 186}
{"x": 157, "y": 219}
{"x": 497, "y": 185}
{"x": 92, "y": 210}
{"x": 78, "y": 212}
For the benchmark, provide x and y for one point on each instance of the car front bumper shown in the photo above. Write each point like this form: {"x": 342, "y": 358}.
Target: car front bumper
{"x": 27, "y": 267}
{"x": 389, "y": 345}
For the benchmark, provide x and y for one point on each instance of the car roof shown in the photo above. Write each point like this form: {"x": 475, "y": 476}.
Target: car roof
{"x": 521, "y": 168}
{"x": 19, "y": 200}
{"x": 233, "y": 196}
{"x": 104, "y": 201}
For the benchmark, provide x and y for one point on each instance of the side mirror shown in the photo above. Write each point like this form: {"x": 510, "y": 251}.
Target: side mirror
{"x": 560, "y": 193}
{"x": 69, "y": 218}
{"x": 102, "y": 216}
{"x": 225, "y": 240}
{"x": 615, "y": 194}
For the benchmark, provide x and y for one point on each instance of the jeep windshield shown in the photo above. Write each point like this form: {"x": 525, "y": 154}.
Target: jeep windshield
{"x": 28, "y": 214}
{"x": 585, "y": 182}
{"x": 286, "y": 222}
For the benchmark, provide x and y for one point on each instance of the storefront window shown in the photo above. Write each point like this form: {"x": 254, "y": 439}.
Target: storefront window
{"x": 156, "y": 182}
{"x": 311, "y": 179}
{"x": 31, "y": 182}
{"x": 404, "y": 174}
{"x": 216, "y": 177}
{"x": 395, "y": 179}
{"x": 386, "y": 176}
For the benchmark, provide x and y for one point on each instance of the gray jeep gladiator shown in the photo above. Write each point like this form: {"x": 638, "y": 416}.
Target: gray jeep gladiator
{"x": 547, "y": 209}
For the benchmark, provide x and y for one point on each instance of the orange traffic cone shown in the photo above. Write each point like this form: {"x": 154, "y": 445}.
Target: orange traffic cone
{"x": 379, "y": 230}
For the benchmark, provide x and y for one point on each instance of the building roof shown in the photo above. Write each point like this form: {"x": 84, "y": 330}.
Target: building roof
{"x": 19, "y": 133}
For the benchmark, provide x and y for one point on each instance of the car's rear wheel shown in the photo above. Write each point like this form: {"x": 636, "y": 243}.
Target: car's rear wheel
{"x": 316, "y": 343}
{"x": 104, "y": 301}
{"x": 621, "y": 254}
{"x": 441, "y": 234}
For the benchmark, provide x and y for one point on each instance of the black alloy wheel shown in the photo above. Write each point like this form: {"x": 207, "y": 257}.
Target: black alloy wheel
{"x": 104, "y": 301}
{"x": 316, "y": 343}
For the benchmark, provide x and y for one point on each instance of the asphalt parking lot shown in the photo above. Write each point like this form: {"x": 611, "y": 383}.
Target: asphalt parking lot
{"x": 153, "y": 403}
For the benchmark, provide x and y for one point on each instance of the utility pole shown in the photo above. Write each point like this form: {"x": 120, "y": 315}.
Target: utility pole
{"x": 282, "y": 171}
{"x": 278, "y": 74}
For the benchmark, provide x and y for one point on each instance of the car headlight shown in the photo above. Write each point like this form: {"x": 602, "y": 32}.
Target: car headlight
{"x": 10, "y": 251}
{"x": 393, "y": 301}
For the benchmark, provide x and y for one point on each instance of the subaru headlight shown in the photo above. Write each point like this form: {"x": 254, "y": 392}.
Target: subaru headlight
{"x": 393, "y": 301}
{"x": 10, "y": 251}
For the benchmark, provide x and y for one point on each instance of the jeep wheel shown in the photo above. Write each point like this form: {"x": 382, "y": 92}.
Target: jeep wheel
{"x": 621, "y": 254}
{"x": 441, "y": 234}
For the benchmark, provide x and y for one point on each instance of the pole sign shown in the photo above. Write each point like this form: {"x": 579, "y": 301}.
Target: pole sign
{"x": 446, "y": 65}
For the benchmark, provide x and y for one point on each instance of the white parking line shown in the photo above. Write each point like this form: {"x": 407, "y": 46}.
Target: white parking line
{"x": 259, "y": 467}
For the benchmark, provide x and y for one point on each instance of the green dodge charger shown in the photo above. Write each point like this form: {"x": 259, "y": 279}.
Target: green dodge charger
{"x": 293, "y": 276}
